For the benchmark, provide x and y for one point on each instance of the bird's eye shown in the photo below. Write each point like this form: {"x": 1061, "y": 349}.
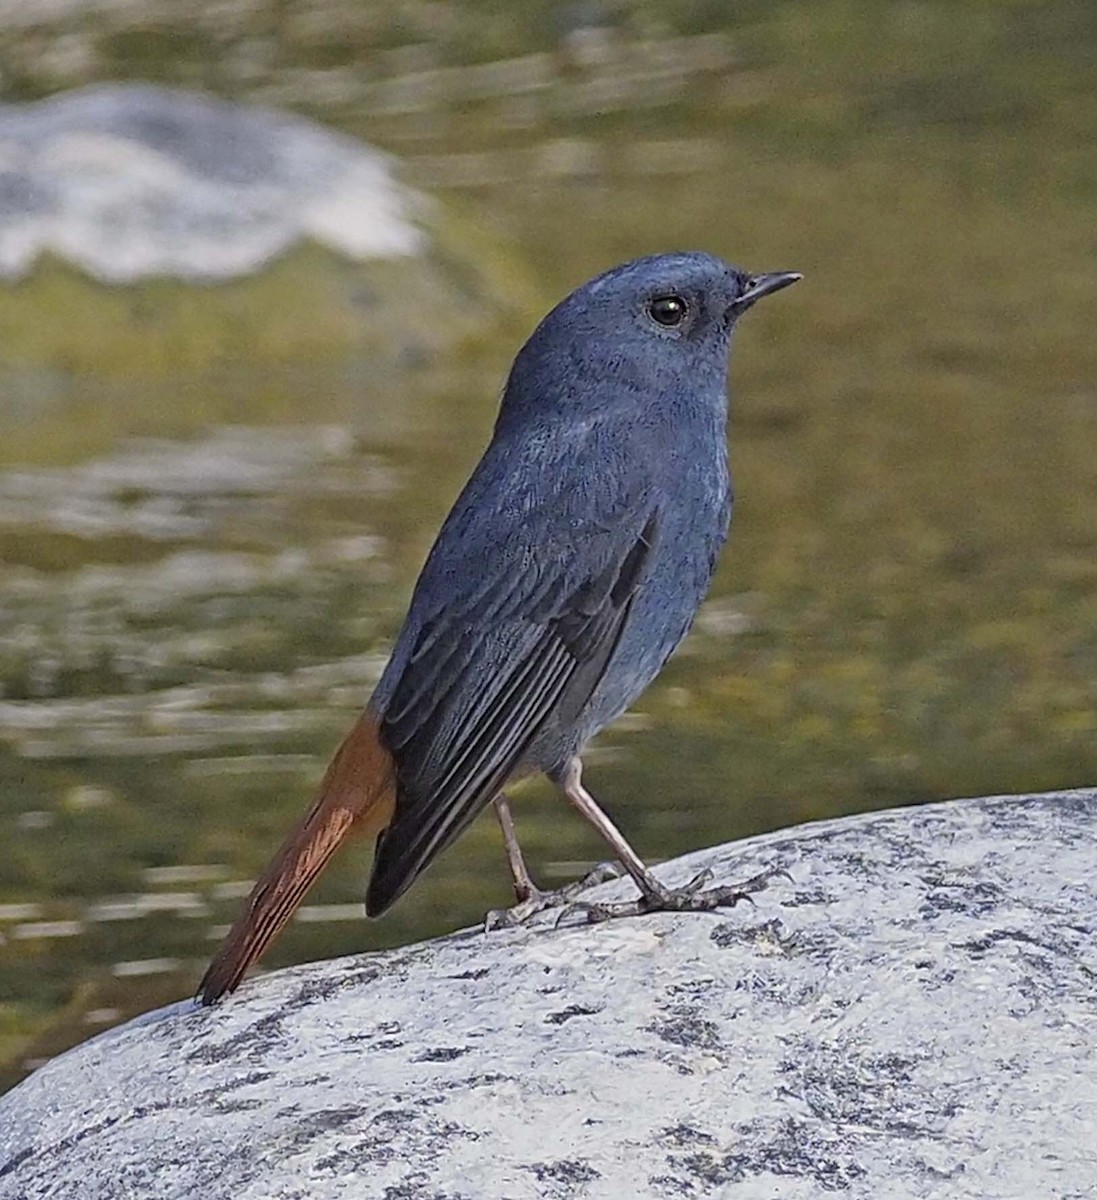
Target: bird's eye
{"x": 668, "y": 310}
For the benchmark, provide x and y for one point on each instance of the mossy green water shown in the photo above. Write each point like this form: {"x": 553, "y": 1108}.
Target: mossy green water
{"x": 81, "y": 363}
{"x": 908, "y": 606}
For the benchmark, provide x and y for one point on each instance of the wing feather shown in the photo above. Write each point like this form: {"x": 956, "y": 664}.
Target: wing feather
{"x": 461, "y": 717}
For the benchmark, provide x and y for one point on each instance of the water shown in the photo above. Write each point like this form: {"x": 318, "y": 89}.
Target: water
{"x": 200, "y": 580}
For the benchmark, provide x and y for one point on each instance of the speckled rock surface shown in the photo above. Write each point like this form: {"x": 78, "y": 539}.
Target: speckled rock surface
{"x": 914, "y": 1016}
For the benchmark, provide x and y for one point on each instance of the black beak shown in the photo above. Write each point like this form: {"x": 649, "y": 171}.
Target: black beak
{"x": 763, "y": 285}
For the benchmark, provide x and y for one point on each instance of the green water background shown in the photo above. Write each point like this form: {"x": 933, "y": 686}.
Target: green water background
{"x": 908, "y": 606}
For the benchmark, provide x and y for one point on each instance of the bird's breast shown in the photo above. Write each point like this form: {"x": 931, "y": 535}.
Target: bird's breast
{"x": 693, "y": 530}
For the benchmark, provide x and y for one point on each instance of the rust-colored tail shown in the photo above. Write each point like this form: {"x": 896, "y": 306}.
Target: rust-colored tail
{"x": 358, "y": 793}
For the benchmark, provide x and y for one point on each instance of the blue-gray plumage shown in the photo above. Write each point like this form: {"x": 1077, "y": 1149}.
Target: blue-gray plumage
{"x": 576, "y": 557}
{"x": 569, "y": 569}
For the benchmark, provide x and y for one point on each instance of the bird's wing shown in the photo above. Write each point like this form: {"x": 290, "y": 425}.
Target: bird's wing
{"x": 515, "y": 617}
{"x": 482, "y": 679}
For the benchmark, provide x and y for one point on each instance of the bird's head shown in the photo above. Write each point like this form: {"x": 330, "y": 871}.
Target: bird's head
{"x": 656, "y": 323}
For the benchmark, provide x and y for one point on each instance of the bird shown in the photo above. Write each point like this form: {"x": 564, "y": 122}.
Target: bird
{"x": 568, "y": 570}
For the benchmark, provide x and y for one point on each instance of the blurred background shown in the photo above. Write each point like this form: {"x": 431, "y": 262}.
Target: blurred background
{"x": 246, "y": 362}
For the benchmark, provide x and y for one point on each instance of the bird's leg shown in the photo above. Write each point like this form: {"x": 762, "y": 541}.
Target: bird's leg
{"x": 654, "y": 895}
{"x": 530, "y": 898}
{"x": 524, "y": 887}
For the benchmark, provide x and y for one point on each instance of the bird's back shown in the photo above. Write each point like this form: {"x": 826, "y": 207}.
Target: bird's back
{"x": 545, "y": 512}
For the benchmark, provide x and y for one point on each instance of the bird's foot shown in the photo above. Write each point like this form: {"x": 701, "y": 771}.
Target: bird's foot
{"x": 692, "y": 897}
{"x": 538, "y": 901}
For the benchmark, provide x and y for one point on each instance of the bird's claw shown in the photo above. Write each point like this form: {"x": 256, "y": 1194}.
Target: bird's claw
{"x": 518, "y": 914}
{"x": 697, "y": 883}
{"x": 539, "y": 901}
{"x": 603, "y": 872}
{"x": 690, "y": 898}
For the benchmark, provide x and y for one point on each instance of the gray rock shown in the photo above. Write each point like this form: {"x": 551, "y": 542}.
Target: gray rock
{"x": 914, "y": 1016}
{"x": 128, "y": 181}
{"x": 326, "y": 262}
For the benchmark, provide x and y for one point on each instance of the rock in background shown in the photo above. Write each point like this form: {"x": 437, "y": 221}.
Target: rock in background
{"x": 316, "y": 246}
{"x": 130, "y": 182}
{"x": 912, "y": 1017}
